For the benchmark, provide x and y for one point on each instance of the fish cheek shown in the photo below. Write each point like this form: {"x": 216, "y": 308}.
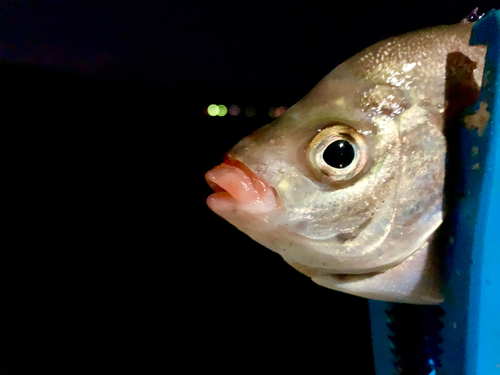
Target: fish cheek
{"x": 349, "y": 236}
{"x": 342, "y": 210}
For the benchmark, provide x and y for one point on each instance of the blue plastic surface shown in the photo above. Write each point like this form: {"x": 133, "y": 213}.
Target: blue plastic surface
{"x": 381, "y": 344}
{"x": 471, "y": 333}
{"x": 471, "y": 336}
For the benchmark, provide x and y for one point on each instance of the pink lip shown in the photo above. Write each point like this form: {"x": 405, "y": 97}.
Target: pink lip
{"x": 237, "y": 187}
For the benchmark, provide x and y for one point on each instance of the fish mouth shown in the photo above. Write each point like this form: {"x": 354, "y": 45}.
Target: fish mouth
{"x": 236, "y": 187}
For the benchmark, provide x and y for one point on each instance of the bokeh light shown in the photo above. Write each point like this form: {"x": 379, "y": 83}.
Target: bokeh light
{"x": 250, "y": 111}
{"x": 234, "y": 110}
{"x": 222, "y": 110}
{"x": 276, "y": 111}
{"x": 213, "y": 110}
{"x": 280, "y": 110}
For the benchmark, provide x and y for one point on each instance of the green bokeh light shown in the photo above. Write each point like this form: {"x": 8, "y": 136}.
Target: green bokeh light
{"x": 213, "y": 110}
{"x": 222, "y": 110}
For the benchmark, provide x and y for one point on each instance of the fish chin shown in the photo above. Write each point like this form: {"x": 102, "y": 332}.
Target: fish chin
{"x": 416, "y": 280}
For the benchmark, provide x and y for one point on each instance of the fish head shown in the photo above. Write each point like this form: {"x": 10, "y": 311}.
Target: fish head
{"x": 346, "y": 185}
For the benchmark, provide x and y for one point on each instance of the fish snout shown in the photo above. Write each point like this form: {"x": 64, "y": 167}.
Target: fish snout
{"x": 236, "y": 187}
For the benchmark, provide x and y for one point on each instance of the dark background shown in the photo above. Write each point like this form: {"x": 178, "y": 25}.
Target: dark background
{"x": 109, "y": 259}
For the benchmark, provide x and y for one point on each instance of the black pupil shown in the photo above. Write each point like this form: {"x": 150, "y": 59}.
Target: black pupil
{"x": 339, "y": 154}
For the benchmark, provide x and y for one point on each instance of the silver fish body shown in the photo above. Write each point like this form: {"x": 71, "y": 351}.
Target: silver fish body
{"x": 347, "y": 185}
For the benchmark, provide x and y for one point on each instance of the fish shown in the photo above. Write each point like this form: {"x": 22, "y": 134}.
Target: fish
{"x": 348, "y": 184}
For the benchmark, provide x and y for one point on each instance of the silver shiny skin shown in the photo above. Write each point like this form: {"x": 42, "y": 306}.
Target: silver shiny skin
{"x": 365, "y": 229}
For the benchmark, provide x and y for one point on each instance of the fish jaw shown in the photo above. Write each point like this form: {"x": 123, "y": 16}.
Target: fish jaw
{"x": 416, "y": 280}
{"x": 240, "y": 196}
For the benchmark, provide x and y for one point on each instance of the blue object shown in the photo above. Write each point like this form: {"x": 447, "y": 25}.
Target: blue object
{"x": 381, "y": 344}
{"x": 471, "y": 334}
{"x": 471, "y": 323}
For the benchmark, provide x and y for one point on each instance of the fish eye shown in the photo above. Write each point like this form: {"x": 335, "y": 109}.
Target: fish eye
{"x": 337, "y": 152}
